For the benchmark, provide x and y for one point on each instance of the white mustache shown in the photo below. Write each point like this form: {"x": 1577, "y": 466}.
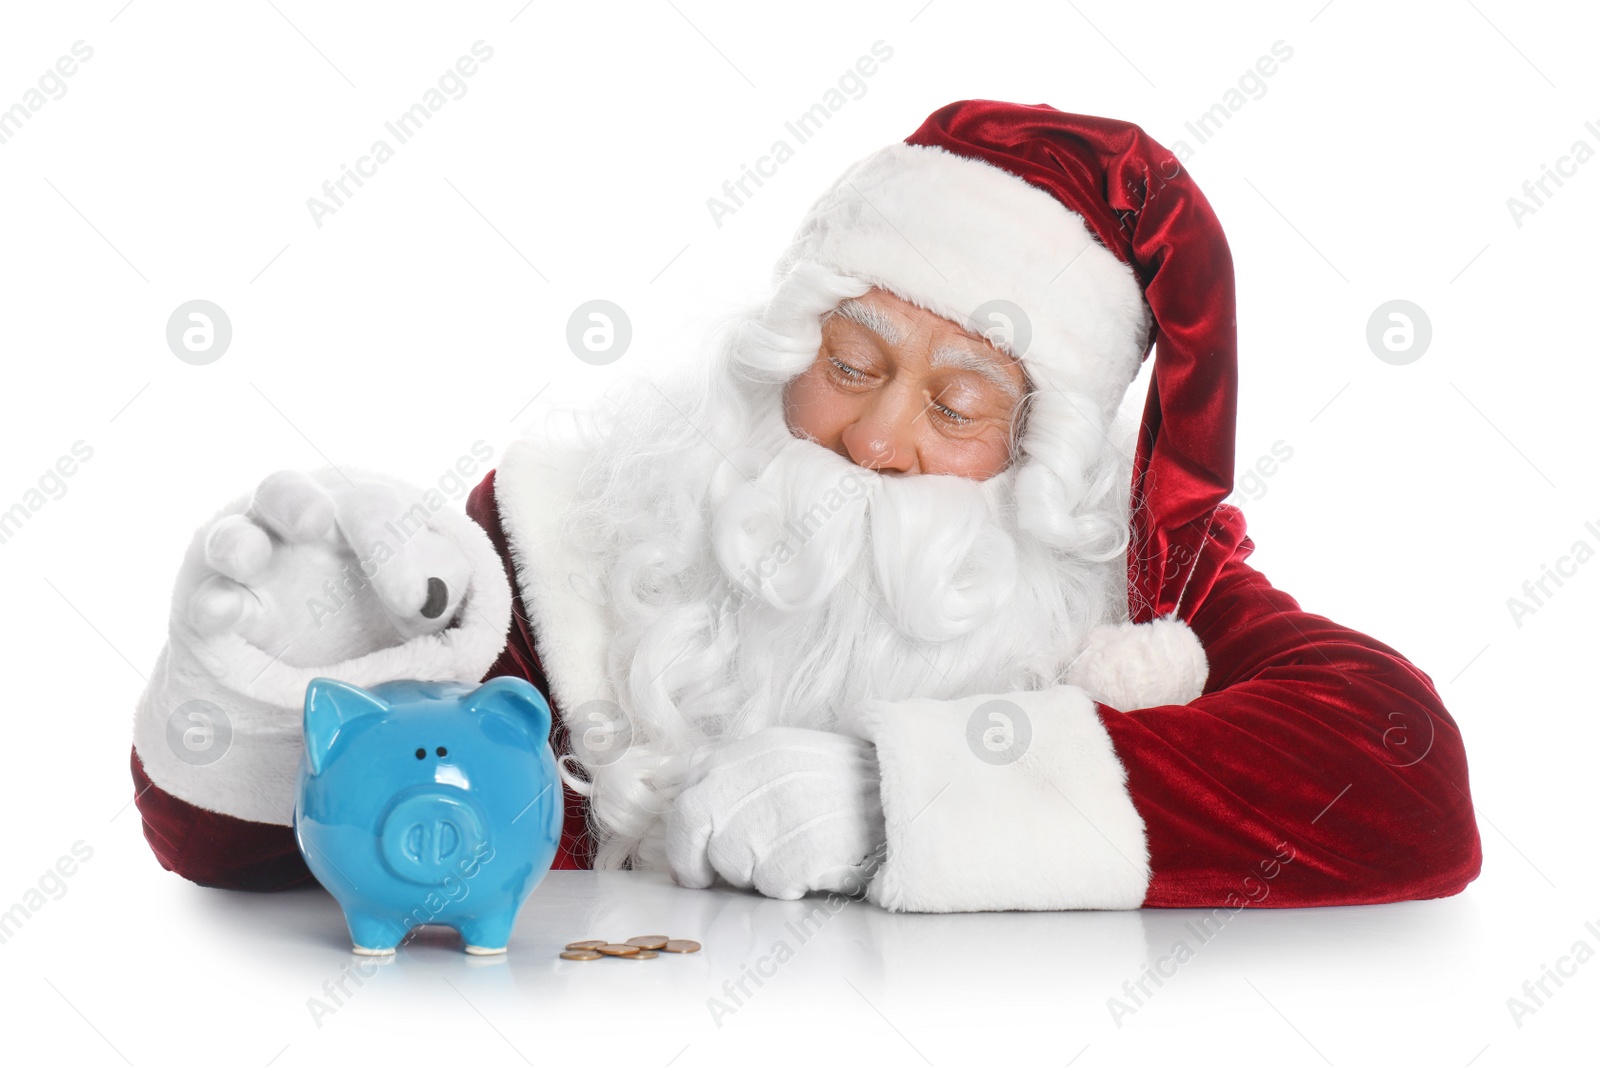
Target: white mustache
{"x": 943, "y": 558}
{"x": 963, "y": 565}
{"x": 791, "y": 534}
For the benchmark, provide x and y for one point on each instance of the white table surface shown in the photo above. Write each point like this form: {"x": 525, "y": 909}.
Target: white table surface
{"x": 134, "y": 965}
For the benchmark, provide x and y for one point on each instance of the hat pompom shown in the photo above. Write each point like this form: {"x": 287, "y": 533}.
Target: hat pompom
{"x": 1141, "y": 665}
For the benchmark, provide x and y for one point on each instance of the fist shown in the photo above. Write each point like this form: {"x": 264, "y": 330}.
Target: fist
{"x": 323, "y": 568}
{"x": 785, "y": 811}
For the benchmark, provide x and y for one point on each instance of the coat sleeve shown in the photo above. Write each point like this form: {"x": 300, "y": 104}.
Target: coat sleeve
{"x": 1317, "y": 767}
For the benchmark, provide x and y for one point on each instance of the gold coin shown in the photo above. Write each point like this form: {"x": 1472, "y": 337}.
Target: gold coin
{"x": 578, "y": 946}
{"x": 617, "y": 950}
{"x": 642, "y": 954}
{"x": 647, "y": 941}
{"x": 580, "y": 954}
{"x": 677, "y": 945}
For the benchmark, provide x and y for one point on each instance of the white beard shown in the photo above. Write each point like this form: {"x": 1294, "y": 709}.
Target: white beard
{"x": 846, "y": 585}
{"x": 754, "y": 579}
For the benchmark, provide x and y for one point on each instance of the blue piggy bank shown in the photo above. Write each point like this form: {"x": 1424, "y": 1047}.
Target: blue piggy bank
{"x": 428, "y": 802}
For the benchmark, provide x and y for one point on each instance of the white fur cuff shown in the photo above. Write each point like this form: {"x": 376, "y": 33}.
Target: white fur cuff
{"x": 1002, "y": 802}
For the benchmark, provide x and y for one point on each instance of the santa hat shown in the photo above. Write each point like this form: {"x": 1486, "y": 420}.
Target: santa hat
{"x": 1087, "y": 241}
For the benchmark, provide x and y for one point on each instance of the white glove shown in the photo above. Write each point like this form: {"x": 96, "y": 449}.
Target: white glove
{"x": 787, "y": 811}
{"x": 354, "y": 575}
{"x": 324, "y": 569}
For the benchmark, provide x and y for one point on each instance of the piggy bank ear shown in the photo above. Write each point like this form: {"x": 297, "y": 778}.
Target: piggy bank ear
{"x": 517, "y": 700}
{"x": 330, "y": 705}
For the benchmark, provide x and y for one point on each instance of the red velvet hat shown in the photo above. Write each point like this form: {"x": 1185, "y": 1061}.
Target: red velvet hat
{"x": 1088, "y": 241}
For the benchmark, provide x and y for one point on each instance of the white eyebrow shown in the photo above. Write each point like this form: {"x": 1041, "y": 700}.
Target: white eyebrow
{"x": 872, "y": 318}
{"x": 965, "y": 358}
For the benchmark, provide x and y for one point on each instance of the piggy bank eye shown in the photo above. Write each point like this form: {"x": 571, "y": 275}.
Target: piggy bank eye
{"x": 421, "y": 753}
{"x": 440, "y": 751}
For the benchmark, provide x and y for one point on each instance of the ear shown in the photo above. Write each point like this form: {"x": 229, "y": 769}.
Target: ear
{"x": 514, "y": 699}
{"x": 330, "y": 705}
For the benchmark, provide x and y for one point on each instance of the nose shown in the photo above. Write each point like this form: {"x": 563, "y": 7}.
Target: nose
{"x": 883, "y": 437}
{"x": 427, "y": 833}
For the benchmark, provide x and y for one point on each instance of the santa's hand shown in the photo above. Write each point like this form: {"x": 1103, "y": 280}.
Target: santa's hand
{"x": 325, "y": 568}
{"x": 337, "y": 573}
{"x": 786, "y": 811}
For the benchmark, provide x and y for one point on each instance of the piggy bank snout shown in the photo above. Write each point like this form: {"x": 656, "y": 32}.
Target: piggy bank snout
{"x": 433, "y": 835}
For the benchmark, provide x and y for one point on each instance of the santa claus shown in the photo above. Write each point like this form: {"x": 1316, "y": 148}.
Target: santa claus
{"x": 881, "y": 595}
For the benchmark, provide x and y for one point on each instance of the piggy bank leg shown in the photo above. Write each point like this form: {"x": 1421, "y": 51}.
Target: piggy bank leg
{"x": 487, "y": 935}
{"x": 373, "y": 935}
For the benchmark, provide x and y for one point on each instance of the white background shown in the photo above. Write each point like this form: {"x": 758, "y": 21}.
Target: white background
{"x": 430, "y": 312}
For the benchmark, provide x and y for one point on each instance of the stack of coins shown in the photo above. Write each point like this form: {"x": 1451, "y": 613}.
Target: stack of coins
{"x": 643, "y": 947}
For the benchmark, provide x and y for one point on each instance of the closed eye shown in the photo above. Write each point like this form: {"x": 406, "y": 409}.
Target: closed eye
{"x": 847, "y": 370}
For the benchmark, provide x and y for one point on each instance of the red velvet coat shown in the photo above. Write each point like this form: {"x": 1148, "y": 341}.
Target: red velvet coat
{"x": 1319, "y": 767}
